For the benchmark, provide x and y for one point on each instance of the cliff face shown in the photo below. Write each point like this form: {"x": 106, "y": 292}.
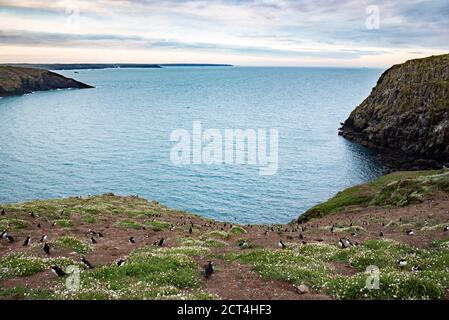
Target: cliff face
{"x": 19, "y": 80}
{"x": 407, "y": 113}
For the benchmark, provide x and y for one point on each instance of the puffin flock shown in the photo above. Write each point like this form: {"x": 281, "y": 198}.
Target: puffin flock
{"x": 208, "y": 269}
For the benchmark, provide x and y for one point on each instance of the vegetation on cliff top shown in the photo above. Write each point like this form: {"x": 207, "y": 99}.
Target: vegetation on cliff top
{"x": 20, "y": 80}
{"x": 407, "y": 113}
{"x": 392, "y": 190}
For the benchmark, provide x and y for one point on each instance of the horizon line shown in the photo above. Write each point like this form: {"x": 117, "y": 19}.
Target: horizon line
{"x": 198, "y": 64}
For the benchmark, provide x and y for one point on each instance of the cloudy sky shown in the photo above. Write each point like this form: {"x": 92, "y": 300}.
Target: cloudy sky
{"x": 244, "y": 32}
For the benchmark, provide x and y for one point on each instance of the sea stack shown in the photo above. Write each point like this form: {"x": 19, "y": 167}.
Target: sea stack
{"x": 406, "y": 116}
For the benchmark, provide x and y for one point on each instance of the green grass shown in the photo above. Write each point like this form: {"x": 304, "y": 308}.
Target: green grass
{"x": 205, "y": 242}
{"x": 396, "y": 189}
{"x": 286, "y": 265}
{"x": 159, "y": 267}
{"x": 158, "y": 225}
{"x": 394, "y": 285}
{"x": 216, "y": 234}
{"x": 129, "y": 224}
{"x": 12, "y": 223}
{"x": 149, "y": 273}
{"x": 440, "y": 244}
{"x": 237, "y": 230}
{"x": 347, "y": 229}
{"x": 312, "y": 265}
{"x": 89, "y": 218}
{"x": 72, "y": 243}
{"x": 106, "y": 204}
{"x": 26, "y": 293}
{"x": 65, "y": 223}
{"x": 21, "y": 265}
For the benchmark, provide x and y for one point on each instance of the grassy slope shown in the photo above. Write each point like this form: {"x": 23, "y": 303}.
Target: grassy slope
{"x": 10, "y": 77}
{"x": 19, "y": 80}
{"x": 396, "y": 189}
{"x": 174, "y": 271}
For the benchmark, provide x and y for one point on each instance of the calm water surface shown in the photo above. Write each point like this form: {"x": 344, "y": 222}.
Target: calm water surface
{"x": 116, "y": 138}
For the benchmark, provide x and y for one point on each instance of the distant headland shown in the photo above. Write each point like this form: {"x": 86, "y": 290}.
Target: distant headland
{"x": 78, "y": 66}
{"x": 20, "y": 80}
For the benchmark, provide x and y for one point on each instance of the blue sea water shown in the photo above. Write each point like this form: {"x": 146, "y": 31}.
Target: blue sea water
{"x": 116, "y": 138}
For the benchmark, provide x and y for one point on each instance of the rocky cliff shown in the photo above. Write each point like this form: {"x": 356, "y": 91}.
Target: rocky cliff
{"x": 407, "y": 113}
{"x": 20, "y": 80}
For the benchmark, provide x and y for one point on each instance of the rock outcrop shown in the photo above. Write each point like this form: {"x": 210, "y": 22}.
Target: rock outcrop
{"x": 407, "y": 114}
{"x": 19, "y": 80}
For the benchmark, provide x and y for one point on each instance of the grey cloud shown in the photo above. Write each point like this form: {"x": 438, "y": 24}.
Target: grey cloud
{"x": 92, "y": 40}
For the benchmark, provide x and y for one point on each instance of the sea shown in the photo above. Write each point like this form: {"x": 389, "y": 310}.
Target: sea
{"x": 116, "y": 138}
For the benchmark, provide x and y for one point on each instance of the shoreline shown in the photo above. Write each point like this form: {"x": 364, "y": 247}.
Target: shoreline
{"x": 393, "y": 159}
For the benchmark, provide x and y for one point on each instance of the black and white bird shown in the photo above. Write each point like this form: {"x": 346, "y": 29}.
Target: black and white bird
{"x": 44, "y": 238}
{"x": 348, "y": 243}
{"x": 301, "y": 236}
{"x": 27, "y": 241}
{"x": 242, "y": 243}
{"x": 92, "y": 239}
{"x": 32, "y": 214}
{"x": 282, "y": 244}
{"x": 100, "y": 234}
{"x": 131, "y": 240}
{"x": 410, "y": 232}
{"x": 341, "y": 243}
{"x": 86, "y": 263}
{"x": 161, "y": 242}
{"x": 121, "y": 262}
{"x": 416, "y": 269}
{"x": 58, "y": 271}
{"x": 402, "y": 263}
{"x": 9, "y": 238}
{"x": 381, "y": 235}
{"x": 446, "y": 228}
{"x": 3, "y": 211}
{"x": 190, "y": 230}
{"x": 47, "y": 248}
{"x": 38, "y": 225}
{"x": 3, "y": 234}
{"x": 209, "y": 270}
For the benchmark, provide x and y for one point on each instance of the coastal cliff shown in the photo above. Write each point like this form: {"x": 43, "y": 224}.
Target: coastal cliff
{"x": 20, "y": 80}
{"x": 407, "y": 114}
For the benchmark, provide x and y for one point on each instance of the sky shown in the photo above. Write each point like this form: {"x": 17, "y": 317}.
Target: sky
{"x": 336, "y": 33}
